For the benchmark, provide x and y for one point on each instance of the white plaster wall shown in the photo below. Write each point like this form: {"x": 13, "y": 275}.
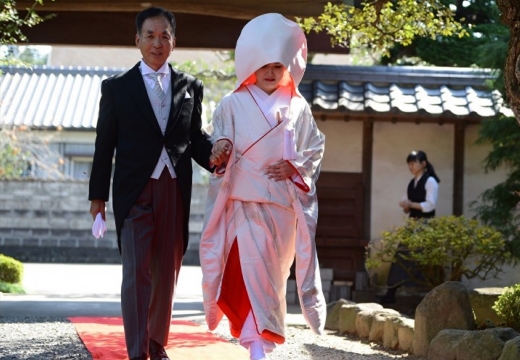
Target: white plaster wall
{"x": 120, "y": 57}
{"x": 76, "y": 137}
{"x": 343, "y": 145}
{"x": 476, "y": 181}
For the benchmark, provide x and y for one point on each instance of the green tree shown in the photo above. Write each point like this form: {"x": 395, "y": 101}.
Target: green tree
{"x": 444, "y": 248}
{"x": 217, "y": 81}
{"x": 498, "y": 206}
{"x": 25, "y": 153}
{"x": 480, "y": 19}
{"x": 12, "y": 22}
{"x": 381, "y": 24}
{"x": 11, "y": 25}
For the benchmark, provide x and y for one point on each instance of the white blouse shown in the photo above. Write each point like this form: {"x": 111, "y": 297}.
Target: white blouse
{"x": 432, "y": 193}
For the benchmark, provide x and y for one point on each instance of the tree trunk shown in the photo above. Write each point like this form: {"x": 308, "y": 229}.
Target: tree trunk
{"x": 511, "y": 18}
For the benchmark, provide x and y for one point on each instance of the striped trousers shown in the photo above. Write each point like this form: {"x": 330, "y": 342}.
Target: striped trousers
{"x": 151, "y": 251}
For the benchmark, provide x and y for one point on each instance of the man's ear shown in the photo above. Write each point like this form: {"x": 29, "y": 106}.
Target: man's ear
{"x": 174, "y": 42}
{"x": 137, "y": 39}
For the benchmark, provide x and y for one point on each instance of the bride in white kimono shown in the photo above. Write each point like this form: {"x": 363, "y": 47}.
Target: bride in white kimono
{"x": 261, "y": 212}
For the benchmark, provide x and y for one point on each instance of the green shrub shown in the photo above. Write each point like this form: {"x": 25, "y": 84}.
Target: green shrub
{"x": 11, "y": 288}
{"x": 444, "y": 248}
{"x": 506, "y": 306}
{"x": 11, "y": 270}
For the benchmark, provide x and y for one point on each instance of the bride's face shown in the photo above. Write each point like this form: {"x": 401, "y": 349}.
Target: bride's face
{"x": 268, "y": 77}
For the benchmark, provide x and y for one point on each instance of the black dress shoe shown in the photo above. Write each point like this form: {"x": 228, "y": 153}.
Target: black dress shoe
{"x": 157, "y": 351}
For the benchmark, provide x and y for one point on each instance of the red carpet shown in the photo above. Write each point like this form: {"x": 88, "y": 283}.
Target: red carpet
{"x": 104, "y": 339}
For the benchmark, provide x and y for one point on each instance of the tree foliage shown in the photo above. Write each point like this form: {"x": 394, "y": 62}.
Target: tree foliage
{"x": 506, "y": 306}
{"x": 445, "y": 248}
{"x": 381, "y": 24}
{"x": 217, "y": 81}
{"x": 25, "y": 153}
{"x": 11, "y": 22}
{"x": 480, "y": 19}
{"x": 498, "y": 206}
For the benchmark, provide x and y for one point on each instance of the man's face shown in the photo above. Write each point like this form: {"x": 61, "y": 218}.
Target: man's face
{"x": 156, "y": 41}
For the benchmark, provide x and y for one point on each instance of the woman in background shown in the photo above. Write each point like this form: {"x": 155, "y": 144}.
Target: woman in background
{"x": 423, "y": 189}
{"x": 420, "y": 202}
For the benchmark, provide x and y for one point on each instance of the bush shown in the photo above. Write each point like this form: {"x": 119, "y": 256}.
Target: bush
{"x": 506, "y": 306}
{"x": 11, "y": 288}
{"x": 11, "y": 270}
{"x": 442, "y": 249}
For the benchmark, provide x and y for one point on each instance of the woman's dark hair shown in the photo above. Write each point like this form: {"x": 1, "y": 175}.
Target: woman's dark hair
{"x": 420, "y": 156}
{"x": 154, "y": 12}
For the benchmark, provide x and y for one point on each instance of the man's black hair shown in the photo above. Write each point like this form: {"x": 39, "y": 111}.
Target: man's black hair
{"x": 154, "y": 12}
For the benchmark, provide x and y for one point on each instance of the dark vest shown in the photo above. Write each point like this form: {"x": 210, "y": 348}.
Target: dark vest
{"x": 418, "y": 195}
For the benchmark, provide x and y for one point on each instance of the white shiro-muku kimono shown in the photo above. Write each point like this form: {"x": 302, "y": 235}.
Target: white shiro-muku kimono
{"x": 272, "y": 222}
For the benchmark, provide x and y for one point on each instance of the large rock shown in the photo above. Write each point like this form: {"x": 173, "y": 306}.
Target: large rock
{"x": 405, "y": 334}
{"x": 445, "y": 307}
{"x": 332, "y": 319}
{"x": 511, "y": 350}
{"x": 348, "y": 314}
{"x": 364, "y": 323}
{"x": 444, "y": 345}
{"x": 377, "y": 328}
{"x": 485, "y": 344}
{"x": 482, "y": 301}
{"x": 365, "y": 318}
{"x": 391, "y": 335}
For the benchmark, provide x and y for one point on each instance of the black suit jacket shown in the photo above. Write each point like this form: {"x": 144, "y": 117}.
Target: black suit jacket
{"x": 127, "y": 126}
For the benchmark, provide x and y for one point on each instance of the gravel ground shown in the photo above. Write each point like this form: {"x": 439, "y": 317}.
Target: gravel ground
{"x": 31, "y": 338}
{"x": 302, "y": 344}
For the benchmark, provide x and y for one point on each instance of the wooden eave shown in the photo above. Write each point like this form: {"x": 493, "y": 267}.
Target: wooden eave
{"x": 210, "y": 24}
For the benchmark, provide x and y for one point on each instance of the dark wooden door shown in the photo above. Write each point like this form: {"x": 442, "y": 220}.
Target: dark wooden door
{"x": 339, "y": 236}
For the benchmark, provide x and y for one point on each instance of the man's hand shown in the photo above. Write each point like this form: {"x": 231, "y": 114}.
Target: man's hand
{"x": 97, "y": 206}
{"x": 220, "y": 152}
{"x": 280, "y": 171}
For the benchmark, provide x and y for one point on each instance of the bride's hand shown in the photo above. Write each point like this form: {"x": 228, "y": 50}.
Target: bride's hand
{"x": 280, "y": 171}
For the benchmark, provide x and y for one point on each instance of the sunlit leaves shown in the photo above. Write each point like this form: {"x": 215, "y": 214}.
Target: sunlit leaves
{"x": 445, "y": 248}
{"x": 11, "y": 22}
{"x": 380, "y": 24}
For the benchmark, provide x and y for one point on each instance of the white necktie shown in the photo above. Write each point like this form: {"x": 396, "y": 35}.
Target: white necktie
{"x": 158, "y": 89}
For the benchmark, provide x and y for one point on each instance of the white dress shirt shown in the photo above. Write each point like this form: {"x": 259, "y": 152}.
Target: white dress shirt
{"x": 164, "y": 160}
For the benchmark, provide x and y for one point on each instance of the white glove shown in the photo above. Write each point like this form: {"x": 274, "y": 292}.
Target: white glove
{"x": 99, "y": 227}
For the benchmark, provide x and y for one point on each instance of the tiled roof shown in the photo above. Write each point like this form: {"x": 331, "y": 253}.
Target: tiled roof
{"x": 43, "y": 97}
{"x": 424, "y": 91}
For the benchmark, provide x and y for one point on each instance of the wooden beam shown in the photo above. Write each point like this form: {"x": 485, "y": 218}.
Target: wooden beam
{"x": 367, "y": 158}
{"x": 422, "y": 118}
{"x": 458, "y": 169}
{"x": 236, "y": 9}
{"x": 118, "y": 29}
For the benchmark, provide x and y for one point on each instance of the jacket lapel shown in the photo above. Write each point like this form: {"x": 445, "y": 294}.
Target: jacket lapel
{"x": 137, "y": 89}
{"x": 179, "y": 87}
